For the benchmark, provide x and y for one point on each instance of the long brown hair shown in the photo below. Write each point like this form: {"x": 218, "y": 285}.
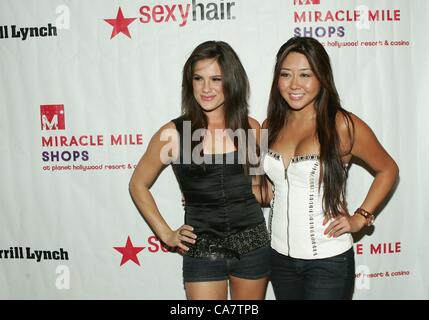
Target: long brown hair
{"x": 327, "y": 104}
{"x": 236, "y": 90}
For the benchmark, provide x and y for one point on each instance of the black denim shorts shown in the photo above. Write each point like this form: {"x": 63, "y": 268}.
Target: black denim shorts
{"x": 251, "y": 265}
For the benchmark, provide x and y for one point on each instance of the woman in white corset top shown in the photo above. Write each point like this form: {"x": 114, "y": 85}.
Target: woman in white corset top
{"x": 311, "y": 142}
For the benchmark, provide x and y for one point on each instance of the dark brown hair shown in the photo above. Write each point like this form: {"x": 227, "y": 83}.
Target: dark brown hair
{"x": 235, "y": 85}
{"x": 327, "y": 104}
{"x": 235, "y": 88}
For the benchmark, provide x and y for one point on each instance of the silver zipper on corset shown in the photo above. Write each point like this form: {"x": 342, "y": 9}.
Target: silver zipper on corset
{"x": 287, "y": 213}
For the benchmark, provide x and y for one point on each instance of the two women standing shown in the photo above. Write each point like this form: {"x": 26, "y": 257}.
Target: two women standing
{"x": 311, "y": 141}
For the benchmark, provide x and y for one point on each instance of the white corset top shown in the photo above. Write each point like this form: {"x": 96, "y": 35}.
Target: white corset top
{"x": 296, "y": 216}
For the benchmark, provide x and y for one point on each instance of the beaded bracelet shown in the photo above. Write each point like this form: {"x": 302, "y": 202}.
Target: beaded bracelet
{"x": 369, "y": 217}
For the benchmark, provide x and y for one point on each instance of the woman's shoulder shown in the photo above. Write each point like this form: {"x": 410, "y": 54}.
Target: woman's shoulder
{"x": 347, "y": 120}
{"x": 164, "y": 133}
{"x": 351, "y": 129}
{"x": 344, "y": 121}
{"x": 164, "y": 143}
{"x": 169, "y": 125}
{"x": 176, "y": 122}
{"x": 265, "y": 124}
{"x": 254, "y": 124}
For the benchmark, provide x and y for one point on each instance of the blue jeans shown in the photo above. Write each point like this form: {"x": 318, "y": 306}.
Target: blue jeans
{"x": 319, "y": 279}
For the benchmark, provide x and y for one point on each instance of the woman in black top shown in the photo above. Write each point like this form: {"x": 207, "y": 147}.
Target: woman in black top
{"x": 213, "y": 149}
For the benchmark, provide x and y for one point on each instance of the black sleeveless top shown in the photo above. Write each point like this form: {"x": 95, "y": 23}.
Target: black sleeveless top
{"x": 219, "y": 202}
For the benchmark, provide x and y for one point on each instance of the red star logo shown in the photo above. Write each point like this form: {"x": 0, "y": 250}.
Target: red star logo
{"x": 129, "y": 252}
{"x": 120, "y": 24}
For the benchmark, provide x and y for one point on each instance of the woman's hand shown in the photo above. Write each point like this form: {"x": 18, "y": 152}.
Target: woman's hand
{"x": 344, "y": 224}
{"x": 177, "y": 237}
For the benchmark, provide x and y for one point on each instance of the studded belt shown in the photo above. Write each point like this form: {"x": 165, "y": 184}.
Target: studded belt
{"x": 232, "y": 246}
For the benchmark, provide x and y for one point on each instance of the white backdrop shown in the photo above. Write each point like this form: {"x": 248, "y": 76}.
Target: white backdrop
{"x": 83, "y": 89}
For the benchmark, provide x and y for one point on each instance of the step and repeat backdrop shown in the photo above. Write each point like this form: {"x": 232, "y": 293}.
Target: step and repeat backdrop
{"x": 85, "y": 84}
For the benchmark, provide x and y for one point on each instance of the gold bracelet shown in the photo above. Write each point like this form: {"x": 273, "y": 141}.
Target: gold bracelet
{"x": 369, "y": 217}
